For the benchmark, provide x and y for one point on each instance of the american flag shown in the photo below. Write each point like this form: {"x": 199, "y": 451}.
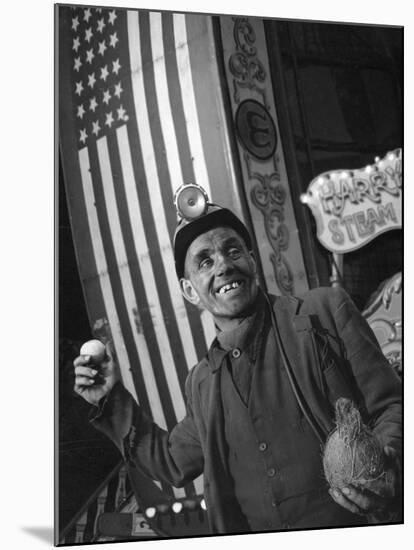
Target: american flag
{"x": 133, "y": 117}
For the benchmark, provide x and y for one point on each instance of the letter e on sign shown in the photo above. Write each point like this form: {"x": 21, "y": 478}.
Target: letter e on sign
{"x": 256, "y": 129}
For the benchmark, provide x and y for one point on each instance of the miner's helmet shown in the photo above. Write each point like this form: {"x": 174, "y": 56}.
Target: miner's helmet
{"x": 196, "y": 215}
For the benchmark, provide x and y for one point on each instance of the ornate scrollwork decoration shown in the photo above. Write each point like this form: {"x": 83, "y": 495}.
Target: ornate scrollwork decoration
{"x": 283, "y": 273}
{"x": 394, "y": 287}
{"x": 244, "y": 36}
{"x": 269, "y": 196}
{"x": 395, "y": 360}
{"x": 247, "y": 69}
{"x": 258, "y": 137}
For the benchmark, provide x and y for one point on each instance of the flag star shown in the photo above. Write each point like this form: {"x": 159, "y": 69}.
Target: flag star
{"x": 116, "y": 66}
{"x": 83, "y": 136}
{"x": 93, "y": 104}
{"x": 99, "y": 10}
{"x": 101, "y": 25}
{"x": 106, "y": 97}
{"x": 75, "y": 23}
{"x": 91, "y": 80}
{"x": 102, "y": 47}
{"x": 118, "y": 90}
{"x": 109, "y": 119}
{"x": 88, "y": 35}
{"x": 81, "y": 111}
{"x": 90, "y": 55}
{"x": 104, "y": 72}
{"x": 79, "y": 88}
{"x": 122, "y": 113}
{"x": 78, "y": 64}
{"x": 112, "y": 17}
{"x": 113, "y": 39}
{"x": 76, "y": 44}
{"x": 86, "y": 14}
{"x": 96, "y": 127}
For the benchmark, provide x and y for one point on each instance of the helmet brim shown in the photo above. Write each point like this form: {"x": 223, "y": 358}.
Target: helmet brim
{"x": 187, "y": 232}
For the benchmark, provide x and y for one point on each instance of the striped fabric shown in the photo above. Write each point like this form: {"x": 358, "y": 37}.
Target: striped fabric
{"x": 129, "y": 130}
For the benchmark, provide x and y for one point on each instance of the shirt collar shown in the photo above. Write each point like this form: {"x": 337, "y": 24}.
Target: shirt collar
{"x": 244, "y": 337}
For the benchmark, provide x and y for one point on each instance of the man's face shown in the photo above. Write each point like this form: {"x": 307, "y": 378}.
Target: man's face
{"x": 220, "y": 274}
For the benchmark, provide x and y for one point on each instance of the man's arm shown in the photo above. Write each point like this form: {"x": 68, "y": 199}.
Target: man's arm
{"x": 379, "y": 385}
{"x": 174, "y": 457}
{"x": 380, "y": 388}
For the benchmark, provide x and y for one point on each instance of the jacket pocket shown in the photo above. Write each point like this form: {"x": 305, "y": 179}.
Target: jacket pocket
{"x": 333, "y": 369}
{"x": 336, "y": 382}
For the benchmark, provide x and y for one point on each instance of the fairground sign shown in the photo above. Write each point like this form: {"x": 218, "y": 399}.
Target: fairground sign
{"x": 352, "y": 207}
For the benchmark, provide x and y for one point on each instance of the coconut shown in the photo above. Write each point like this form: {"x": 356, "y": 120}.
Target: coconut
{"x": 353, "y": 455}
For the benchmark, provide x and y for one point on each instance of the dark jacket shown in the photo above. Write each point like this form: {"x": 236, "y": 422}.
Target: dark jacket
{"x": 332, "y": 353}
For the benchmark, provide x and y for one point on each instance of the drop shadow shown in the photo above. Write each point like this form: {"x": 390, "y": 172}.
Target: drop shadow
{"x": 43, "y": 533}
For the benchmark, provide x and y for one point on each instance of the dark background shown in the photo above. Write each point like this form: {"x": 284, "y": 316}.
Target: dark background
{"x": 86, "y": 456}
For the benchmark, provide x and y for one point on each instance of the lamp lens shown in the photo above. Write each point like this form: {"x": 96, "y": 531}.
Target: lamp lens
{"x": 191, "y": 201}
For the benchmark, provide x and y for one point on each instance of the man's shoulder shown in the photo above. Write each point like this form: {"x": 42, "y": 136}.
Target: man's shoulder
{"x": 314, "y": 300}
{"x": 325, "y": 295}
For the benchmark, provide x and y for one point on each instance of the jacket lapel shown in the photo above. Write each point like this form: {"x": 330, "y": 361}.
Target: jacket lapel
{"x": 298, "y": 340}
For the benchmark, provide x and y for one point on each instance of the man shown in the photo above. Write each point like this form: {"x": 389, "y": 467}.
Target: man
{"x": 261, "y": 402}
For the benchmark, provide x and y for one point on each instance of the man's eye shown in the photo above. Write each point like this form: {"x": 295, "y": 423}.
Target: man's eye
{"x": 206, "y": 263}
{"x": 234, "y": 252}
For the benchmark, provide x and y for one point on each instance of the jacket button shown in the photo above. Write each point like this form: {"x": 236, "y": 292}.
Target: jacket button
{"x": 262, "y": 446}
{"x": 271, "y": 472}
{"x": 236, "y": 353}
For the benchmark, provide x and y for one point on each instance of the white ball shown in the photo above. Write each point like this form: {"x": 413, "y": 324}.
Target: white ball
{"x": 95, "y": 349}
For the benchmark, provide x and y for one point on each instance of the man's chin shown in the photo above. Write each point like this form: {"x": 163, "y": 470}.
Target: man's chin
{"x": 234, "y": 308}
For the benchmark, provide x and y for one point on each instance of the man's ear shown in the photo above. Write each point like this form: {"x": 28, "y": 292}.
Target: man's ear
{"x": 189, "y": 292}
{"x": 253, "y": 260}
{"x": 254, "y": 263}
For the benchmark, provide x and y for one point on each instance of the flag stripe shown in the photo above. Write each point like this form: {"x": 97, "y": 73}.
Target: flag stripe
{"x": 108, "y": 297}
{"x": 98, "y": 182}
{"x": 190, "y": 107}
{"x": 142, "y": 233}
{"x": 102, "y": 268}
{"x": 173, "y": 157}
{"x": 175, "y": 97}
{"x": 193, "y": 129}
{"x": 136, "y": 232}
{"x": 150, "y": 165}
{"x": 141, "y": 314}
{"x": 184, "y": 152}
{"x": 163, "y": 101}
{"x": 137, "y": 252}
{"x": 154, "y": 156}
{"x": 144, "y": 60}
{"x": 156, "y": 203}
{"x": 211, "y": 111}
{"x": 125, "y": 275}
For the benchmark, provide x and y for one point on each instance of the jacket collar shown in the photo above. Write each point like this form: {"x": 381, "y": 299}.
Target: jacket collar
{"x": 246, "y": 337}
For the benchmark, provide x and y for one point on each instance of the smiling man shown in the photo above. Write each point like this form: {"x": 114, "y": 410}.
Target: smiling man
{"x": 261, "y": 402}
{"x": 220, "y": 276}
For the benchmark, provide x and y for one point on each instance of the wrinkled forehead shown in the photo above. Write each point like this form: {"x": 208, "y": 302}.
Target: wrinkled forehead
{"x": 215, "y": 239}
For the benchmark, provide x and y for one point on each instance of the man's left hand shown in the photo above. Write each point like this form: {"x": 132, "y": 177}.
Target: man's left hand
{"x": 367, "y": 503}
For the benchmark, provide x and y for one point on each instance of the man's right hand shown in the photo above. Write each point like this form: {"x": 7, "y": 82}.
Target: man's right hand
{"x": 93, "y": 382}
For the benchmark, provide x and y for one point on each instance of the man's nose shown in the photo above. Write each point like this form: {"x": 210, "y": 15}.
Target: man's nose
{"x": 224, "y": 265}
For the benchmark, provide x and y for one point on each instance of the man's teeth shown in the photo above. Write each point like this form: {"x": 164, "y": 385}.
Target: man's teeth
{"x": 228, "y": 287}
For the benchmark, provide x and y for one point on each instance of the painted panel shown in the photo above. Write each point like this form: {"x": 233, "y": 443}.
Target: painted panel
{"x": 260, "y": 148}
